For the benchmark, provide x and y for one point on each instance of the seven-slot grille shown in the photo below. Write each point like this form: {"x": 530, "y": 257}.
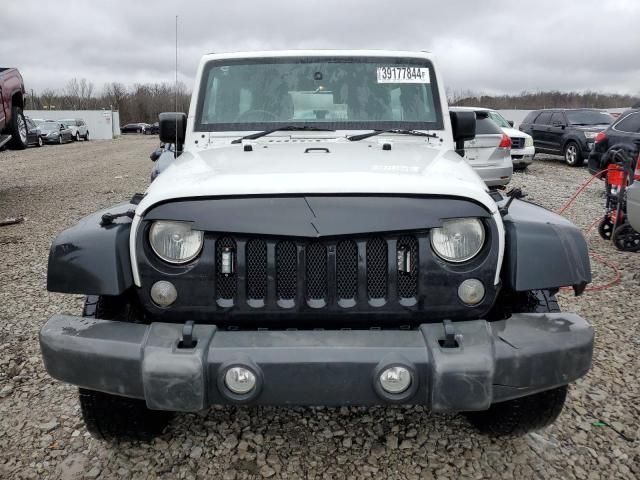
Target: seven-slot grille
{"x": 317, "y": 272}
{"x": 517, "y": 143}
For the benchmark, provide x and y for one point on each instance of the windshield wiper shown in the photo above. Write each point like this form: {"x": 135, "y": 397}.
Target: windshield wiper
{"x": 399, "y": 131}
{"x": 288, "y": 128}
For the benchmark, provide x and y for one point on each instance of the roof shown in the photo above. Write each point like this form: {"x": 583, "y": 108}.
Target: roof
{"x": 320, "y": 53}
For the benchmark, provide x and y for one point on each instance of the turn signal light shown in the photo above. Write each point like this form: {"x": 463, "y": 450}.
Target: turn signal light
{"x": 600, "y": 137}
{"x": 505, "y": 142}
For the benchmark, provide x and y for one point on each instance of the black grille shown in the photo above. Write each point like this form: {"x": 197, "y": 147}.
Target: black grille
{"x": 256, "y": 269}
{"x": 377, "y": 268}
{"x": 316, "y": 269}
{"x": 347, "y": 270}
{"x": 517, "y": 143}
{"x": 225, "y": 282}
{"x": 286, "y": 270}
{"x": 336, "y": 273}
{"x": 407, "y": 260}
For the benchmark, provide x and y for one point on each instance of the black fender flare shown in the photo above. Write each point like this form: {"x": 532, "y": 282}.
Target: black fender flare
{"x": 543, "y": 250}
{"x": 92, "y": 259}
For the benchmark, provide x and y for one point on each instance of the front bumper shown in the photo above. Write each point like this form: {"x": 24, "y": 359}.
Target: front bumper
{"x": 493, "y": 362}
{"x": 523, "y": 156}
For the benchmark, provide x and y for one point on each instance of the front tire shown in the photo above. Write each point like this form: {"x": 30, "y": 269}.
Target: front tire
{"x": 521, "y": 415}
{"x": 18, "y": 129}
{"x": 573, "y": 154}
{"x": 111, "y": 417}
{"x": 86, "y": 137}
{"x": 40, "y": 142}
{"x": 77, "y": 137}
{"x": 533, "y": 412}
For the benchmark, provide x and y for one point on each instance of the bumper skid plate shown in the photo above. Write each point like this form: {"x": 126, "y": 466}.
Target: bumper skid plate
{"x": 490, "y": 362}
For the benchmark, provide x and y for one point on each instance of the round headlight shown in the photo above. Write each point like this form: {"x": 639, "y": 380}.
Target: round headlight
{"x": 458, "y": 240}
{"x": 175, "y": 242}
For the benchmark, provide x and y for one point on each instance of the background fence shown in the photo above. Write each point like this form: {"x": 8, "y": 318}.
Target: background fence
{"x": 102, "y": 124}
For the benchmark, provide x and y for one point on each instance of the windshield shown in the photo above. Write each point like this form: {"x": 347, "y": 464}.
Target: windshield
{"x": 49, "y": 126}
{"x": 589, "y": 117}
{"x": 338, "y": 93}
{"x": 68, "y": 122}
{"x": 499, "y": 120}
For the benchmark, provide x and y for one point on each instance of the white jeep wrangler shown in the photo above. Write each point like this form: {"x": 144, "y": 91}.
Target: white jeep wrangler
{"x": 319, "y": 240}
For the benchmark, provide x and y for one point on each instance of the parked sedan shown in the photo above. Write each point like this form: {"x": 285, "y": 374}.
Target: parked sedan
{"x": 489, "y": 153}
{"x": 134, "y": 128}
{"x": 153, "y": 129}
{"x": 522, "y": 149}
{"x": 78, "y": 127}
{"x": 34, "y": 134}
{"x": 55, "y": 132}
{"x": 570, "y": 133}
{"x": 624, "y": 134}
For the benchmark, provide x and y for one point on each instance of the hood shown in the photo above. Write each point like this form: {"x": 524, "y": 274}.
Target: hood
{"x": 317, "y": 167}
{"x": 513, "y": 132}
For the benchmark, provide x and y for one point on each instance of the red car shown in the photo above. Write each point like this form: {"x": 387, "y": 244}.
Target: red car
{"x": 13, "y": 126}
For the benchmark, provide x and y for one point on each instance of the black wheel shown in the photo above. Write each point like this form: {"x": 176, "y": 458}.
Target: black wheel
{"x": 111, "y": 417}
{"x": 77, "y": 137}
{"x": 60, "y": 141}
{"x": 139, "y": 131}
{"x": 40, "y": 142}
{"x": 86, "y": 137}
{"x": 626, "y": 239}
{"x": 573, "y": 154}
{"x": 18, "y": 129}
{"x": 605, "y": 228}
{"x": 533, "y": 412}
{"x": 520, "y": 168}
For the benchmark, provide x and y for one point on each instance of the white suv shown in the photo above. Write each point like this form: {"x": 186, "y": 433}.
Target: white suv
{"x": 78, "y": 128}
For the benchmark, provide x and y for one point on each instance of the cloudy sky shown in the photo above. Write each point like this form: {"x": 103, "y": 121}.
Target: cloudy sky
{"x": 492, "y": 46}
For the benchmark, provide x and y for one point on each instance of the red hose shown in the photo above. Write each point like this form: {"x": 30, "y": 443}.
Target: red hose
{"x": 611, "y": 265}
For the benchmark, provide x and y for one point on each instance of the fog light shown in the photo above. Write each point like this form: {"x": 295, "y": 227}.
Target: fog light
{"x": 163, "y": 293}
{"x": 471, "y": 291}
{"x": 240, "y": 380}
{"x": 395, "y": 379}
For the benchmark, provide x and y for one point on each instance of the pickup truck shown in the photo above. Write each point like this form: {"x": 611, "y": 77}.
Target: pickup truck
{"x": 13, "y": 126}
{"x": 319, "y": 240}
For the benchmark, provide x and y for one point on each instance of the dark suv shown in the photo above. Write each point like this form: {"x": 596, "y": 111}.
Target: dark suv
{"x": 570, "y": 133}
{"x": 623, "y": 134}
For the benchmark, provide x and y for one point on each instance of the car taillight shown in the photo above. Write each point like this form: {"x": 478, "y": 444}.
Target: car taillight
{"x": 600, "y": 137}
{"x": 505, "y": 142}
{"x": 636, "y": 174}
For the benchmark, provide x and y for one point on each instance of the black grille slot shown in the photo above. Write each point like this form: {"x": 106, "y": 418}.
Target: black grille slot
{"x": 316, "y": 268}
{"x": 286, "y": 270}
{"x": 225, "y": 282}
{"x": 256, "y": 259}
{"x": 517, "y": 143}
{"x": 377, "y": 268}
{"x": 346, "y": 270}
{"x": 407, "y": 264}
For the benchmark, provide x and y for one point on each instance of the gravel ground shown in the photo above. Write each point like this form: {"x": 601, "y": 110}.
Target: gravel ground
{"x": 42, "y": 434}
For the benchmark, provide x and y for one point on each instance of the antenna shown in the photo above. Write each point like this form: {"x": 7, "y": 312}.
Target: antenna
{"x": 175, "y": 147}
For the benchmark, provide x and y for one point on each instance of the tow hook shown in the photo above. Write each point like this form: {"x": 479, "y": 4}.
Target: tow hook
{"x": 451, "y": 338}
{"x": 188, "y": 340}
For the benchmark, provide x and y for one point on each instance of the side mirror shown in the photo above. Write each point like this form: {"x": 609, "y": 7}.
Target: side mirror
{"x": 173, "y": 127}
{"x": 156, "y": 155}
{"x": 463, "y": 125}
{"x": 511, "y": 122}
